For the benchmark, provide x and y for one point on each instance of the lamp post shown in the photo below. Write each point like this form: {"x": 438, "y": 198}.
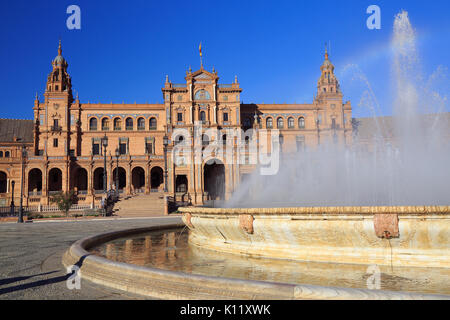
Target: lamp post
{"x": 12, "y": 198}
{"x": 24, "y": 153}
{"x": 165, "y": 143}
{"x": 117, "y": 170}
{"x": 318, "y": 131}
{"x": 281, "y": 139}
{"x": 104, "y": 144}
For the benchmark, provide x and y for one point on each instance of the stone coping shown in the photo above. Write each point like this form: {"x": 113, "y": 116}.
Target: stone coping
{"x": 166, "y": 284}
{"x": 321, "y": 210}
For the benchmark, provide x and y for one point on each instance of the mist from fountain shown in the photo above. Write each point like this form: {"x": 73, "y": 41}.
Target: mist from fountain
{"x": 411, "y": 170}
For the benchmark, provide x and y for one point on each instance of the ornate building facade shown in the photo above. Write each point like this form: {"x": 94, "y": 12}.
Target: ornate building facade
{"x": 65, "y": 141}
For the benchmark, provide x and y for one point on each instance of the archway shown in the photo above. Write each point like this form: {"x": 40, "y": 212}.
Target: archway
{"x": 157, "y": 177}
{"x": 34, "y": 181}
{"x": 54, "y": 180}
{"x": 214, "y": 180}
{"x": 138, "y": 178}
{"x": 181, "y": 183}
{"x": 3, "y": 182}
{"x": 122, "y": 178}
{"x": 81, "y": 180}
{"x": 98, "y": 179}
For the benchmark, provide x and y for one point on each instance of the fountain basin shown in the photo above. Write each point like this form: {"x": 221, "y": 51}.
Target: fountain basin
{"x": 398, "y": 236}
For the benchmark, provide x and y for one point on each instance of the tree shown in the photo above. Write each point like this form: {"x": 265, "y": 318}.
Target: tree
{"x": 63, "y": 200}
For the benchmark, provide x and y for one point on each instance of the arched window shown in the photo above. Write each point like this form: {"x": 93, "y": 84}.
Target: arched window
{"x": 280, "y": 123}
{"x": 179, "y": 140}
{"x": 1, "y": 154}
{"x": 93, "y": 124}
{"x": 117, "y": 124}
{"x": 301, "y": 123}
{"x": 7, "y": 154}
{"x": 105, "y": 124}
{"x": 269, "y": 123}
{"x": 153, "y": 124}
{"x": 129, "y": 124}
{"x": 202, "y": 116}
{"x": 290, "y": 123}
{"x": 141, "y": 124}
{"x": 205, "y": 139}
{"x": 224, "y": 139}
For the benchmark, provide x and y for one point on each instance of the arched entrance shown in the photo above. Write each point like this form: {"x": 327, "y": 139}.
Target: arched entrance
{"x": 98, "y": 179}
{"x": 35, "y": 181}
{"x": 181, "y": 183}
{"x": 81, "y": 180}
{"x": 214, "y": 180}
{"x": 3, "y": 182}
{"x": 122, "y": 178}
{"x": 138, "y": 179}
{"x": 157, "y": 177}
{"x": 54, "y": 180}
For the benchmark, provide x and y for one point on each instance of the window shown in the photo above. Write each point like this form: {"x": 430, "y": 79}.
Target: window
{"x": 56, "y": 88}
{"x": 224, "y": 139}
{"x": 55, "y": 143}
{"x": 7, "y": 154}
{"x": 333, "y": 123}
{"x": 72, "y": 153}
{"x": 179, "y": 140}
{"x": 141, "y": 124}
{"x": 105, "y": 124}
{"x": 247, "y": 122}
{"x": 41, "y": 119}
{"x": 1, "y": 154}
{"x": 269, "y": 123}
{"x": 129, "y": 124}
{"x": 290, "y": 123}
{"x": 301, "y": 123}
{"x": 95, "y": 149}
{"x": 225, "y": 116}
{"x": 280, "y": 123}
{"x": 152, "y": 124}
{"x": 56, "y": 123}
{"x": 93, "y": 124}
{"x": 202, "y": 116}
{"x": 205, "y": 139}
{"x": 72, "y": 119}
{"x": 117, "y": 124}
{"x": 122, "y": 148}
{"x": 179, "y": 117}
{"x": 149, "y": 147}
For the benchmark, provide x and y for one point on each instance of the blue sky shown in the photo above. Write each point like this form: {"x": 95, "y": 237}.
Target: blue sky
{"x": 125, "y": 48}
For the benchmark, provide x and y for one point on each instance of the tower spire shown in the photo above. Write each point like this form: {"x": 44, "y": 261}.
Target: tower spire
{"x": 59, "y": 48}
{"x": 326, "y": 51}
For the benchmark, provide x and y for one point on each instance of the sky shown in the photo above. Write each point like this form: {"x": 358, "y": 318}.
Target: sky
{"x": 125, "y": 49}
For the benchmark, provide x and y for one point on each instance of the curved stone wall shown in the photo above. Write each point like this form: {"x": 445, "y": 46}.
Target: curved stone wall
{"x": 397, "y": 236}
{"x": 164, "y": 284}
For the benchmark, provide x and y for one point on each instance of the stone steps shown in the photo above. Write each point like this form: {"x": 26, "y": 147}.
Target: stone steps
{"x": 141, "y": 205}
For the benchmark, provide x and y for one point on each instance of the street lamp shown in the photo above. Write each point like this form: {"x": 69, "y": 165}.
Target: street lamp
{"x": 24, "y": 154}
{"x": 104, "y": 144}
{"x": 165, "y": 143}
{"x": 117, "y": 170}
{"x": 12, "y": 198}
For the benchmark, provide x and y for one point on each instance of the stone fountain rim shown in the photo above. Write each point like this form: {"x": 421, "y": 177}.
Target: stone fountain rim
{"x": 366, "y": 210}
{"x": 144, "y": 280}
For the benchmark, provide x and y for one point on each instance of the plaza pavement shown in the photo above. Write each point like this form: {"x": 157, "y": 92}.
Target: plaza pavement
{"x": 31, "y": 253}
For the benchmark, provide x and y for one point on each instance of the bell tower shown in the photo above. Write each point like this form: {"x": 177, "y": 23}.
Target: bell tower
{"x": 53, "y": 114}
{"x": 328, "y": 83}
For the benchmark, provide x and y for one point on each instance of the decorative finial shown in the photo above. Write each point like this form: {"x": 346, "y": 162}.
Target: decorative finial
{"x": 37, "y": 97}
{"x": 59, "y": 48}
{"x": 326, "y": 51}
{"x": 235, "y": 79}
{"x": 214, "y": 70}
{"x": 167, "y": 78}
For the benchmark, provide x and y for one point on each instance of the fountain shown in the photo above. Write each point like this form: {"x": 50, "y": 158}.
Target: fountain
{"x": 327, "y": 209}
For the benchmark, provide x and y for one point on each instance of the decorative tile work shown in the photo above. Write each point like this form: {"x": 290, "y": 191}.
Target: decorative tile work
{"x": 123, "y": 115}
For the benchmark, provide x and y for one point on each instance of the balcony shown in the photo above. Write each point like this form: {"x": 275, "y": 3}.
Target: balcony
{"x": 56, "y": 128}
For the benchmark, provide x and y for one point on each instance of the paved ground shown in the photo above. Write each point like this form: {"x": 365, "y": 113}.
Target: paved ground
{"x": 31, "y": 253}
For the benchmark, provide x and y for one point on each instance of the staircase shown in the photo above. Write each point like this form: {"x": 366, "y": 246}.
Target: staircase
{"x": 140, "y": 205}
